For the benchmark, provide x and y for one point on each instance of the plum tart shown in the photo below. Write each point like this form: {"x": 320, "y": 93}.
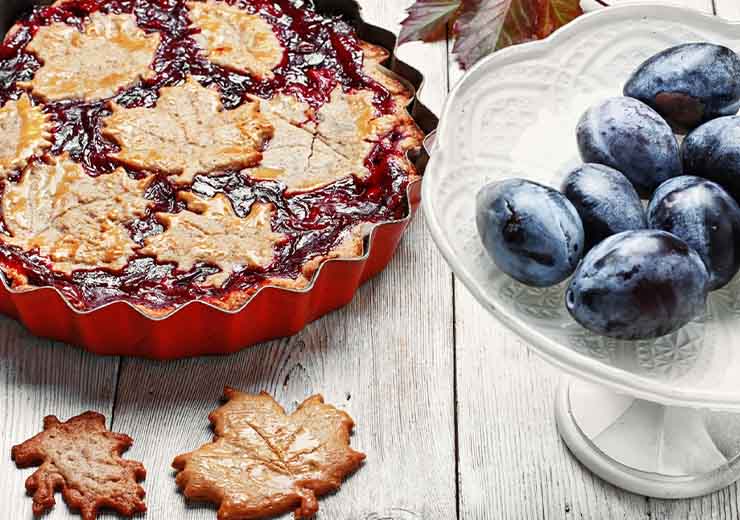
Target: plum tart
{"x": 163, "y": 151}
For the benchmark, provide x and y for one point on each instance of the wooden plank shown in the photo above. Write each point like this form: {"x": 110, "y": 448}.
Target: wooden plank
{"x": 387, "y": 359}
{"x": 37, "y": 378}
{"x": 722, "y": 505}
{"x": 512, "y": 463}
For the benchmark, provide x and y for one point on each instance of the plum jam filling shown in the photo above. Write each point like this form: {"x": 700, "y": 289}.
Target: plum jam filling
{"x": 321, "y": 53}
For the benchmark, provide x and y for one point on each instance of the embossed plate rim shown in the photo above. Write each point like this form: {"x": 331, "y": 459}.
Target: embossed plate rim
{"x": 554, "y": 352}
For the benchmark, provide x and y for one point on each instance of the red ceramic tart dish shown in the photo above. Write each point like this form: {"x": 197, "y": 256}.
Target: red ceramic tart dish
{"x": 191, "y": 177}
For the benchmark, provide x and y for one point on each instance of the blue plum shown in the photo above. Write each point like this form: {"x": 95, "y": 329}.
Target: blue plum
{"x": 638, "y": 285}
{"x": 689, "y": 84}
{"x": 712, "y": 151}
{"x": 702, "y": 214}
{"x": 606, "y": 201}
{"x": 531, "y": 232}
{"x": 631, "y": 137}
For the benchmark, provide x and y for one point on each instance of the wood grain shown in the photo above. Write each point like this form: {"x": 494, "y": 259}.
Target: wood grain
{"x": 391, "y": 360}
{"x": 512, "y": 463}
{"x": 37, "y": 378}
{"x": 386, "y": 359}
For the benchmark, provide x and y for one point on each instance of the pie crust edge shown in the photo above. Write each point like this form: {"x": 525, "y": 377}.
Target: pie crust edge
{"x": 352, "y": 246}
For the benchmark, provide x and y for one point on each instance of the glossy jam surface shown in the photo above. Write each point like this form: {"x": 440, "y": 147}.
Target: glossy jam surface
{"x": 322, "y": 52}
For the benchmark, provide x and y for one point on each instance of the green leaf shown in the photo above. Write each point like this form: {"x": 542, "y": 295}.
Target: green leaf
{"x": 427, "y": 20}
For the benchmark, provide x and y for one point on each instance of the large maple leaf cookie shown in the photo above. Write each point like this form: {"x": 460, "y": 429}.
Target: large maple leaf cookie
{"x": 263, "y": 462}
{"x": 110, "y": 54}
{"x": 83, "y": 459}
{"x": 188, "y": 132}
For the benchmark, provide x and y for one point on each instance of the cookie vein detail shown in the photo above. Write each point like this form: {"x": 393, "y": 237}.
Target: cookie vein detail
{"x": 264, "y": 462}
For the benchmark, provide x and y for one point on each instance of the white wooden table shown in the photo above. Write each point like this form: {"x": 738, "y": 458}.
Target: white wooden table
{"x": 453, "y": 411}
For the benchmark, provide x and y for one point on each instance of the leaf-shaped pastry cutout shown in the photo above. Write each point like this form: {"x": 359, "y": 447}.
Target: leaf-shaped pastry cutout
{"x": 188, "y": 132}
{"x": 110, "y": 54}
{"x": 25, "y": 130}
{"x": 296, "y": 155}
{"x": 82, "y": 459}
{"x": 76, "y": 220}
{"x": 236, "y": 39}
{"x": 213, "y": 233}
{"x": 264, "y": 462}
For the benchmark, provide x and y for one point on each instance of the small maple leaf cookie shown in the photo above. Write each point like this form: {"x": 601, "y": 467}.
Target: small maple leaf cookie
{"x": 211, "y": 232}
{"x": 110, "y": 54}
{"x": 25, "y": 130}
{"x": 263, "y": 462}
{"x": 188, "y": 132}
{"x": 236, "y": 39}
{"x": 83, "y": 459}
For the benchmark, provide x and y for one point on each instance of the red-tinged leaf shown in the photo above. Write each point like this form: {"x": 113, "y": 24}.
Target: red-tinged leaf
{"x": 487, "y": 25}
{"x": 478, "y": 29}
{"x": 427, "y": 20}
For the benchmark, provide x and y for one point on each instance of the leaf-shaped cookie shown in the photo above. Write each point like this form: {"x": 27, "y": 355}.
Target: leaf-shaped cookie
{"x": 83, "y": 459}
{"x": 263, "y": 462}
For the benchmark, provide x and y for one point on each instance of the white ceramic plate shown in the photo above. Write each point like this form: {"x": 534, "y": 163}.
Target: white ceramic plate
{"x": 514, "y": 115}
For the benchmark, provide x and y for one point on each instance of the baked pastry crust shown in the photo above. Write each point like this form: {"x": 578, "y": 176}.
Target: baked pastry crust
{"x": 111, "y": 53}
{"x": 297, "y": 156}
{"x": 264, "y": 462}
{"x": 83, "y": 459}
{"x": 212, "y": 233}
{"x": 25, "y": 131}
{"x": 188, "y": 132}
{"x": 76, "y": 220}
{"x": 234, "y": 38}
{"x": 250, "y": 154}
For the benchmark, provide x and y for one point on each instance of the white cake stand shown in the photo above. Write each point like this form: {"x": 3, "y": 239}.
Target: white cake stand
{"x": 660, "y": 418}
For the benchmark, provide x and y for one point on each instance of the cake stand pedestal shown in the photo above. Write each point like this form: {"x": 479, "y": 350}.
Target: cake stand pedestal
{"x": 647, "y": 448}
